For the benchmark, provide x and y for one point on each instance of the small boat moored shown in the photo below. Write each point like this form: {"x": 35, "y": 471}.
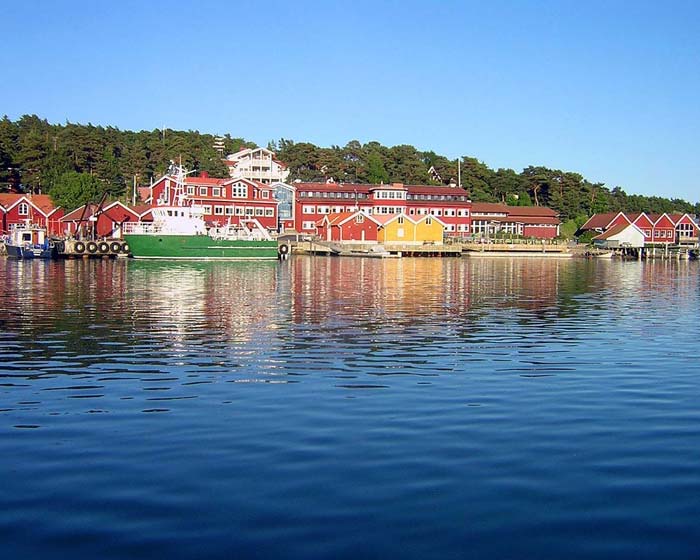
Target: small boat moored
{"x": 30, "y": 242}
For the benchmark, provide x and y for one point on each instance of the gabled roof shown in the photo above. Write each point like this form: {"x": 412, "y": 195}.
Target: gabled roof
{"x": 602, "y": 220}
{"x": 41, "y": 202}
{"x": 615, "y": 230}
{"x": 661, "y": 218}
{"x": 643, "y": 218}
{"x": 434, "y": 218}
{"x": 340, "y": 218}
{"x": 75, "y": 215}
{"x": 93, "y": 209}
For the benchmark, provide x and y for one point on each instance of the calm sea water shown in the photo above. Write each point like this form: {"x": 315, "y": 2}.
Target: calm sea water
{"x": 350, "y": 408}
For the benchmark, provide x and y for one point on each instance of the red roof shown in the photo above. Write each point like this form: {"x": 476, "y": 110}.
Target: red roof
{"x": 362, "y": 188}
{"x": 614, "y": 231}
{"x": 76, "y": 214}
{"x": 524, "y": 214}
{"x": 601, "y": 221}
{"x": 41, "y": 201}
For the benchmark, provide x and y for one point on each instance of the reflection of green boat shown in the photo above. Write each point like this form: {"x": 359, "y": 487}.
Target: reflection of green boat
{"x": 179, "y": 232}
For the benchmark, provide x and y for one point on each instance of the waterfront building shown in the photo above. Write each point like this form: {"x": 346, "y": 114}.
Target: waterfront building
{"x": 354, "y": 226}
{"x": 18, "y": 209}
{"x": 315, "y": 200}
{"x": 285, "y": 195}
{"x": 225, "y": 201}
{"x": 658, "y": 229}
{"x": 488, "y": 219}
{"x": 256, "y": 164}
{"x": 105, "y": 221}
{"x": 620, "y": 236}
{"x": 404, "y": 230}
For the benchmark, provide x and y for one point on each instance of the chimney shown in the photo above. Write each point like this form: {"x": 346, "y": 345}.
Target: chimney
{"x": 204, "y": 175}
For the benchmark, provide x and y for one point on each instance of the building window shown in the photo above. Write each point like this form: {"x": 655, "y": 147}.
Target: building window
{"x": 23, "y": 209}
{"x": 400, "y": 219}
{"x": 259, "y": 211}
{"x": 249, "y": 211}
{"x": 266, "y": 194}
{"x": 239, "y": 190}
{"x": 308, "y": 209}
{"x": 239, "y": 210}
{"x": 203, "y": 191}
{"x": 359, "y": 219}
{"x": 308, "y": 225}
{"x": 219, "y": 210}
{"x": 190, "y": 191}
{"x": 269, "y": 212}
{"x": 428, "y": 221}
{"x": 229, "y": 210}
{"x": 206, "y": 209}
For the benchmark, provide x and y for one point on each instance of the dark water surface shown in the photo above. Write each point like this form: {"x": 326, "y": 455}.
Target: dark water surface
{"x": 350, "y": 408}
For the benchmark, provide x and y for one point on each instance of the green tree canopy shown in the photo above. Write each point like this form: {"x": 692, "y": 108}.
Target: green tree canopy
{"x": 73, "y": 189}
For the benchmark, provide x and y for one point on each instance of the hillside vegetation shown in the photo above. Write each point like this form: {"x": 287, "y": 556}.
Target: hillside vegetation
{"x": 38, "y": 156}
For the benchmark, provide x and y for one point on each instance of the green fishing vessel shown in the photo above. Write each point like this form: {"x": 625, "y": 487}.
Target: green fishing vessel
{"x": 143, "y": 246}
{"x": 180, "y": 232}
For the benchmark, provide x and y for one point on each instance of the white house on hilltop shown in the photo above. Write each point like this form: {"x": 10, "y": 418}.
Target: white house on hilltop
{"x": 256, "y": 164}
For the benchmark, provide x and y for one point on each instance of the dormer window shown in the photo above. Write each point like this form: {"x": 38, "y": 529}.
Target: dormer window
{"x": 23, "y": 209}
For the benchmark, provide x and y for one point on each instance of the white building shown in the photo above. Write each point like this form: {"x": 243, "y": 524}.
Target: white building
{"x": 256, "y": 164}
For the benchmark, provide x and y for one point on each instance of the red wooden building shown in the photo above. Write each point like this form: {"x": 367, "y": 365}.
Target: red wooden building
{"x": 91, "y": 220}
{"x": 37, "y": 209}
{"x": 348, "y": 226}
{"x": 315, "y": 200}
{"x": 224, "y": 200}
{"x": 658, "y": 229}
{"x": 528, "y": 221}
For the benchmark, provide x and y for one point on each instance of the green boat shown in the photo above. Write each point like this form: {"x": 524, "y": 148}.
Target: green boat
{"x": 179, "y": 232}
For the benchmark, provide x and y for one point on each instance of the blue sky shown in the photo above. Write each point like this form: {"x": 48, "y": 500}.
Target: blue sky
{"x": 607, "y": 89}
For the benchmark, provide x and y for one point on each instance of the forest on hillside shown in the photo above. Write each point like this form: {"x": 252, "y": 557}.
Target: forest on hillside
{"x": 75, "y": 163}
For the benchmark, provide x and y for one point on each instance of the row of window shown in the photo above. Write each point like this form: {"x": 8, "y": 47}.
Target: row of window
{"x": 384, "y": 195}
{"x": 239, "y": 190}
{"x": 385, "y": 210}
{"x": 238, "y": 211}
{"x": 463, "y": 228}
{"x": 390, "y": 195}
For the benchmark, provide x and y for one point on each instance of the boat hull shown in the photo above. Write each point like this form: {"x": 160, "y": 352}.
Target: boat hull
{"x": 22, "y": 252}
{"x": 198, "y": 247}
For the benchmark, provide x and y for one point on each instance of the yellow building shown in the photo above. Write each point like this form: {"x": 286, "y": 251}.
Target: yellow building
{"x": 400, "y": 229}
{"x": 430, "y": 230}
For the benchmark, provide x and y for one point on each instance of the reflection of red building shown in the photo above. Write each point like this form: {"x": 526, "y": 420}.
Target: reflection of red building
{"x": 225, "y": 201}
{"x": 21, "y": 209}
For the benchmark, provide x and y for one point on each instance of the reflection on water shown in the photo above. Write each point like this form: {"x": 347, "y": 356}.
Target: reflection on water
{"x": 327, "y": 407}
